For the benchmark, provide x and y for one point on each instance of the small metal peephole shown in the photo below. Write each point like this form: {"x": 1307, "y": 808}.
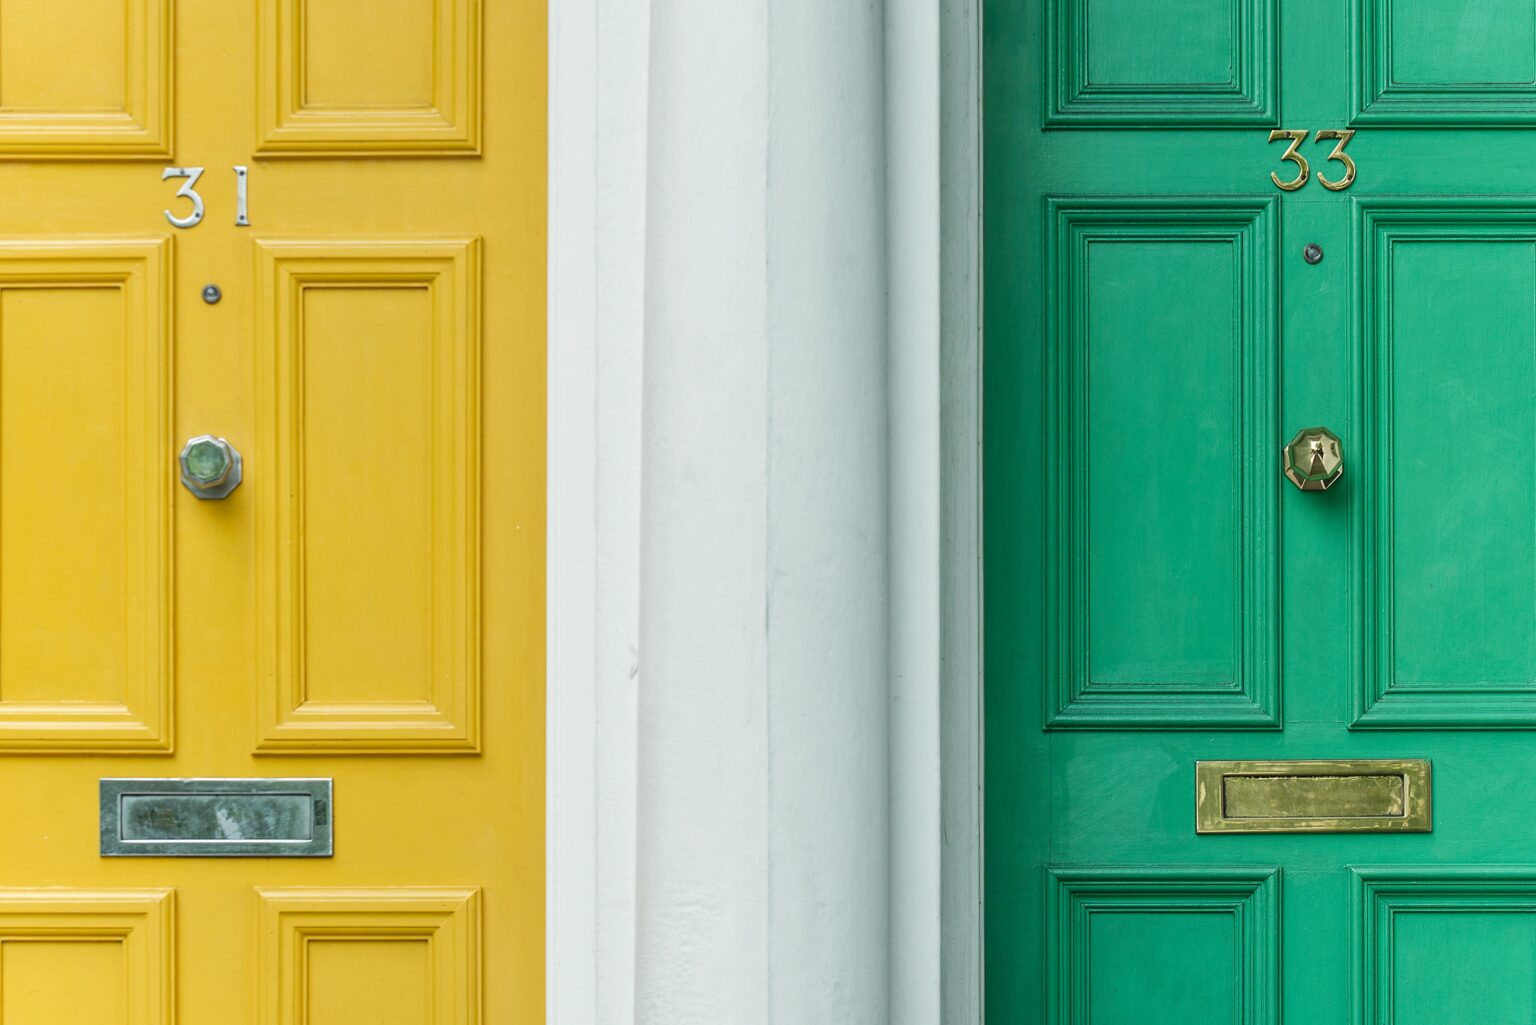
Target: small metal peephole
{"x": 210, "y": 467}
{"x": 212, "y": 294}
{"x": 1313, "y": 253}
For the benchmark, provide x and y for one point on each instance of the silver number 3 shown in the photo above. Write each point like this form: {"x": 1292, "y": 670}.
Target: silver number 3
{"x": 192, "y": 174}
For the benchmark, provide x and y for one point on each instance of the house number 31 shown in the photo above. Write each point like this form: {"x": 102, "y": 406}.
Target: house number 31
{"x": 1297, "y": 136}
{"x": 188, "y": 191}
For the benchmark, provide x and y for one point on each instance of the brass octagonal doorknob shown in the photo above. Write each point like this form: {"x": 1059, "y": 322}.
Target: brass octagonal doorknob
{"x": 1314, "y": 460}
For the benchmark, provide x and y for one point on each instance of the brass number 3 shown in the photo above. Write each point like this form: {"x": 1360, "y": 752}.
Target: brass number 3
{"x": 1343, "y": 135}
{"x": 1297, "y": 137}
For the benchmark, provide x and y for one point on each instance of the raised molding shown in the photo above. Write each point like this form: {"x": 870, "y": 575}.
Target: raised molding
{"x": 1074, "y": 100}
{"x": 1250, "y": 896}
{"x": 1380, "y": 99}
{"x": 1381, "y": 893}
{"x": 1378, "y": 702}
{"x": 444, "y": 922}
{"x": 140, "y": 270}
{"x": 140, "y": 128}
{"x": 1252, "y": 701}
{"x": 142, "y": 922}
{"x": 448, "y": 716}
{"x": 445, "y": 124}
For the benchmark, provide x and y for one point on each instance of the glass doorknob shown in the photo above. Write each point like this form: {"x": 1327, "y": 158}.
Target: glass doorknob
{"x": 1314, "y": 460}
{"x": 210, "y": 467}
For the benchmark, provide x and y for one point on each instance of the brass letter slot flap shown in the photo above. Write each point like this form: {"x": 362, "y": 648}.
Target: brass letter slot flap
{"x": 1374, "y": 796}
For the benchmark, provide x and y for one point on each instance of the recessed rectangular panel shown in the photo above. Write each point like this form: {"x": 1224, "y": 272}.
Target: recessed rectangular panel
{"x": 86, "y": 957}
{"x": 64, "y": 405}
{"x": 1446, "y": 465}
{"x": 85, "y": 587}
{"x": 79, "y": 980}
{"x": 1438, "y": 944}
{"x": 380, "y": 981}
{"x": 1148, "y": 361}
{"x": 199, "y": 818}
{"x": 1445, "y": 62}
{"x": 1163, "y": 966}
{"x": 1317, "y": 796}
{"x": 1128, "y": 63}
{"x": 367, "y": 482}
{"x": 1440, "y": 42}
{"x": 394, "y": 76}
{"x": 32, "y": 36}
{"x": 368, "y": 562}
{"x": 1163, "y": 946}
{"x": 386, "y": 955}
{"x": 1160, "y": 452}
{"x": 1458, "y": 404}
{"x": 364, "y": 55}
{"x": 1463, "y": 966}
{"x": 115, "y": 98}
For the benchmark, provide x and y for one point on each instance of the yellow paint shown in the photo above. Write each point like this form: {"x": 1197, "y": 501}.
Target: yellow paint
{"x": 369, "y": 604}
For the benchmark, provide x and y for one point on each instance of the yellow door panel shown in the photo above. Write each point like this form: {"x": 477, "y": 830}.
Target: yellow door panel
{"x": 80, "y": 956}
{"x": 386, "y": 957}
{"x": 367, "y": 606}
{"x": 368, "y": 554}
{"x": 85, "y": 414}
{"x": 112, "y": 98}
{"x": 391, "y": 76}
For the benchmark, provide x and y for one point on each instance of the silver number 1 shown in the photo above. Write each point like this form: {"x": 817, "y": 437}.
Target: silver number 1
{"x": 242, "y": 197}
{"x": 192, "y": 174}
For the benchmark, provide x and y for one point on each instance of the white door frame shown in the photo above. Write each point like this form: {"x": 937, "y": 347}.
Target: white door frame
{"x": 599, "y": 74}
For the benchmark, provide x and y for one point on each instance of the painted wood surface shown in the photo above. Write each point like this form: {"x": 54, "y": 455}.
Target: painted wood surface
{"x": 1156, "y": 594}
{"x": 368, "y": 605}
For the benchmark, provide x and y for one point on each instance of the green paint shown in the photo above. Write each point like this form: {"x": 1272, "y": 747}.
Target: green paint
{"x": 1157, "y": 594}
{"x": 1174, "y": 62}
{"x": 1445, "y": 62}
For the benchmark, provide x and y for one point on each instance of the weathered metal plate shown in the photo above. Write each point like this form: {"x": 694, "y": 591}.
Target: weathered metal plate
{"x": 1321, "y": 796}
{"x": 207, "y": 818}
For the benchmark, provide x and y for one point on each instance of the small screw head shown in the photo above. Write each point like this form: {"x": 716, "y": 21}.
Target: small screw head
{"x": 1313, "y": 253}
{"x": 211, "y": 294}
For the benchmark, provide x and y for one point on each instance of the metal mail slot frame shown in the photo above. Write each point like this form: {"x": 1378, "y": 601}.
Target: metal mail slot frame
{"x": 1411, "y": 813}
{"x": 314, "y": 817}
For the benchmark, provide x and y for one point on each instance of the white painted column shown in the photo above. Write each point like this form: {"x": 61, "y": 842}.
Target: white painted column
{"x": 762, "y": 838}
{"x": 764, "y": 718}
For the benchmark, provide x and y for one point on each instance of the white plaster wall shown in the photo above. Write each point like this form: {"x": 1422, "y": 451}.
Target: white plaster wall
{"x": 762, "y": 369}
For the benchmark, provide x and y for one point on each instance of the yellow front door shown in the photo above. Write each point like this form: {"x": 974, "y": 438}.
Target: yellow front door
{"x": 366, "y": 607}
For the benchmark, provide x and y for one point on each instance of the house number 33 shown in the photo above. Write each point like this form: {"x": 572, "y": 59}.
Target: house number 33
{"x": 188, "y": 191}
{"x": 1303, "y": 170}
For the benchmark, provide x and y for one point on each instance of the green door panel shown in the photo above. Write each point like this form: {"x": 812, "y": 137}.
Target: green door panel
{"x": 1157, "y": 594}
{"x": 1161, "y": 551}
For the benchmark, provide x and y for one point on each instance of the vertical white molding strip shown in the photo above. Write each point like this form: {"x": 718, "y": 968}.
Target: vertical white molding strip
{"x": 623, "y": 68}
{"x": 960, "y": 119}
{"x": 571, "y": 979}
{"x": 598, "y": 70}
{"x": 702, "y": 945}
{"x": 763, "y": 830}
{"x": 828, "y": 493}
{"x": 763, "y": 285}
{"x": 912, "y": 35}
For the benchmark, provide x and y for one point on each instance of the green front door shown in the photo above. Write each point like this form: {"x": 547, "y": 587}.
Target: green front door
{"x": 1158, "y": 593}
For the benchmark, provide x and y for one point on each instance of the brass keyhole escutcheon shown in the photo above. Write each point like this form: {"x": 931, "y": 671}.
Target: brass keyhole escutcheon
{"x": 1314, "y": 459}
